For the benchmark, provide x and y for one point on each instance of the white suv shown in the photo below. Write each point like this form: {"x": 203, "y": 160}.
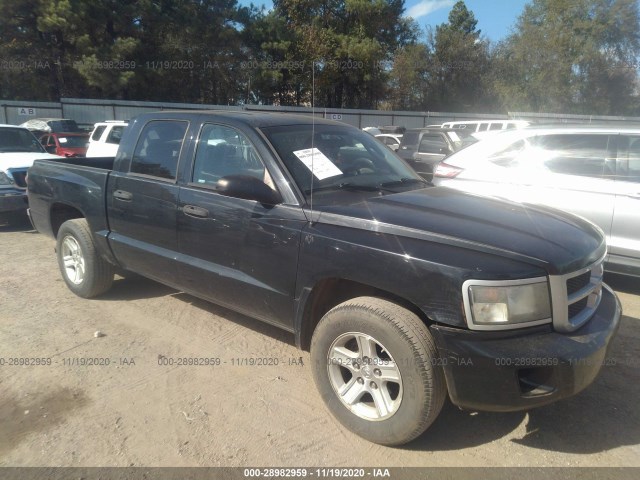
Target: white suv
{"x": 105, "y": 138}
{"x": 593, "y": 172}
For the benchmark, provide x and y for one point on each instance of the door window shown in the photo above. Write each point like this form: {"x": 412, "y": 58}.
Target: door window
{"x": 158, "y": 148}
{"x": 224, "y": 151}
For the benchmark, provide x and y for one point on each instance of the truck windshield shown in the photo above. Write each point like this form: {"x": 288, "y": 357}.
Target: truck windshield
{"x": 327, "y": 158}
{"x": 19, "y": 140}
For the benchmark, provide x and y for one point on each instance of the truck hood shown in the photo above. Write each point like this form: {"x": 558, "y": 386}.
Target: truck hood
{"x": 556, "y": 241}
{"x": 22, "y": 159}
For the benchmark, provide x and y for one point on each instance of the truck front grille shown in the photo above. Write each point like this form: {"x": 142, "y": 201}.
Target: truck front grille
{"x": 575, "y": 284}
{"x": 576, "y": 296}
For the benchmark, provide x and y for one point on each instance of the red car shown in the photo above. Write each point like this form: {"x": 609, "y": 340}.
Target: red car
{"x": 66, "y": 144}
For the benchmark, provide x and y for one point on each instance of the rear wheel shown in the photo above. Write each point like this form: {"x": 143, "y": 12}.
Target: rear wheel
{"x": 375, "y": 365}
{"x": 83, "y": 270}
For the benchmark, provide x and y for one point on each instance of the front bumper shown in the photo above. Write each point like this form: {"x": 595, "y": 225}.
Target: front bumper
{"x": 13, "y": 200}
{"x": 498, "y": 371}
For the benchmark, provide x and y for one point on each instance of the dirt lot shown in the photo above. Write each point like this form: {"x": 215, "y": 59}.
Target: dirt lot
{"x": 134, "y": 411}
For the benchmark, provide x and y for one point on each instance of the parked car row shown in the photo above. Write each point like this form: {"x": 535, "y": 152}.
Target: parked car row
{"x": 588, "y": 171}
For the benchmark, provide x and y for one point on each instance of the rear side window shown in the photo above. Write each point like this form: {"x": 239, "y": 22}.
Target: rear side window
{"x": 115, "y": 135}
{"x": 495, "y": 126}
{"x": 581, "y": 155}
{"x": 158, "y": 148}
{"x": 97, "y": 133}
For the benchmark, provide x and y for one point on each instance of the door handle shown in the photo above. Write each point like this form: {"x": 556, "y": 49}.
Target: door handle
{"x": 635, "y": 196}
{"x": 194, "y": 211}
{"x": 122, "y": 195}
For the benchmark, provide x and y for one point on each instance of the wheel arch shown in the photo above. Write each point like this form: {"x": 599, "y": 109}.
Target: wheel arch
{"x": 60, "y": 213}
{"x": 327, "y": 293}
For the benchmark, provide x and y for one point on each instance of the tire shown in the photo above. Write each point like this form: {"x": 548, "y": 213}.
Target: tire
{"x": 83, "y": 270}
{"x": 399, "y": 348}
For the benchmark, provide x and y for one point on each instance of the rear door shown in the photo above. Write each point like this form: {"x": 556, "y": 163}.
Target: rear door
{"x": 624, "y": 246}
{"x": 236, "y": 252}
{"x": 142, "y": 202}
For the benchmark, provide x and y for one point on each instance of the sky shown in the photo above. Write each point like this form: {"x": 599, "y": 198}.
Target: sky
{"x": 495, "y": 17}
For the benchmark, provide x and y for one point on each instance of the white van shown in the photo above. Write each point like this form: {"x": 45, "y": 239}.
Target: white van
{"x": 105, "y": 138}
{"x": 484, "y": 128}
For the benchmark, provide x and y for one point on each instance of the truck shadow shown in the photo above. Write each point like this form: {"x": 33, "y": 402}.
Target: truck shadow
{"x": 602, "y": 417}
{"x": 22, "y": 225}
{"x": 135, "y": 287}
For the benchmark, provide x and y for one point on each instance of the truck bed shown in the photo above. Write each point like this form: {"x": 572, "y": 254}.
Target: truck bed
{"x": 105, "y": 163}
{"x": 60, "y": 184}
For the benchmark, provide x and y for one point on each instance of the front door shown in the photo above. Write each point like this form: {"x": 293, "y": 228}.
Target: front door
{"x": 236, "y": 252}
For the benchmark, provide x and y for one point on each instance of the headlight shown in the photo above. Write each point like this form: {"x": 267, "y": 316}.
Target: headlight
{"x": 503, "y": 305}
{"x": 5, "y": 179}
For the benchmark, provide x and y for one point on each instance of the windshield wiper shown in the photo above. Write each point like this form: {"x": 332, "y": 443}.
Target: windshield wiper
{"x": 352, "y": 187}
{"x": 404, "y": 181}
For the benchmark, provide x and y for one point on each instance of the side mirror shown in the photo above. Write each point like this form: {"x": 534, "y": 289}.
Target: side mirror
{"x": 249, "y": 188}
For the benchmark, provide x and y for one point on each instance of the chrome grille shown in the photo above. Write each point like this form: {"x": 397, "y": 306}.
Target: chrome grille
{"x": 575, "y": 284}
{"x": 576, "y": 296}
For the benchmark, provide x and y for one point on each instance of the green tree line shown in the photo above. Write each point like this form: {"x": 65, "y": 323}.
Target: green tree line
{"x": 567, "y": 56}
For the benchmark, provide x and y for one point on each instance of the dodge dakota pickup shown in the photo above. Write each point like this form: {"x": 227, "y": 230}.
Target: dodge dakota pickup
{"x": 404, "y": 293}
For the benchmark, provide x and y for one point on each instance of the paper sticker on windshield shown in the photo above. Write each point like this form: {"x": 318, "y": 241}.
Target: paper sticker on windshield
{"x": 318, "y": 163}
{"x": 62, "y": 140}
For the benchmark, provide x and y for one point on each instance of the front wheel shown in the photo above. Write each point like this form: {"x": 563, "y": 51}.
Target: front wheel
{"x": 83, "y": 270}
{"x": 375, "y": 365}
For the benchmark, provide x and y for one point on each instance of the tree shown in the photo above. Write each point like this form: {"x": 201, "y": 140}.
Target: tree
{"x": 458, "y": 73}
{"x": 275, "y": 72}
{"x": 408, "y": 78}
{"x": 170, "y": 50}
{"x": 348, "y": 43}
{"x": 572, "y": 56}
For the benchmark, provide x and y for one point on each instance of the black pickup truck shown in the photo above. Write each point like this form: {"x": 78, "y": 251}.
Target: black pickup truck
{"x": 404, "y": 293}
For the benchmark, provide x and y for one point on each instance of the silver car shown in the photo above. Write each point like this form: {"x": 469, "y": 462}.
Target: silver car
{"x": 589, "y": 171}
